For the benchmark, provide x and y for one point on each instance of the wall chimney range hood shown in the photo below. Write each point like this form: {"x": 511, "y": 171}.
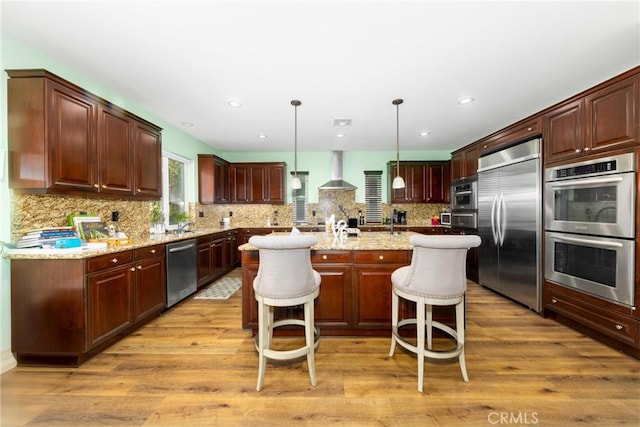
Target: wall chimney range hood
{"x": 337, "y": 183}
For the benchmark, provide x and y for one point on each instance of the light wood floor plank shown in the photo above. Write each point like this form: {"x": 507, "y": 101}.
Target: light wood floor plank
{"x": 195, "y": 366}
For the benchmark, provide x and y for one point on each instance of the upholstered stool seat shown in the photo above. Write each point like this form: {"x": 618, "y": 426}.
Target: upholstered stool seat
{"x": 436, "y": 276}
{"x": 285, "y": 278}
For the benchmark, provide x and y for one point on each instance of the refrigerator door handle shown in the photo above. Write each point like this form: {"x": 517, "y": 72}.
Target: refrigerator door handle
{"x": 494, "y": 223}
{"x": 502, "y": 218}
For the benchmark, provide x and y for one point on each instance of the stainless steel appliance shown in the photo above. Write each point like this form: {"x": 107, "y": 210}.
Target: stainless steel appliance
{"x": 181, "y": 270}
{"x": 595, "y": 197}
{"x": 464, "y": 195}
{"x": 466, "y": 220}
{"x": 445, "y": 218}
{"x": 590, "y": 221}
{"x": 402, "y": 217}
{"x": 510, "y": 222}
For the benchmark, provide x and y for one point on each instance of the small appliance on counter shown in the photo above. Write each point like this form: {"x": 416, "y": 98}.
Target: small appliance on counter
{"x": 445, "y": 217}
{"x": 353, "y": 222}
{"x": 402, "y": 218}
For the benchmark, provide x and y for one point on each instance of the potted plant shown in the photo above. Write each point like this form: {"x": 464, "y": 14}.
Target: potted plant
{"x": 156, "y": 217}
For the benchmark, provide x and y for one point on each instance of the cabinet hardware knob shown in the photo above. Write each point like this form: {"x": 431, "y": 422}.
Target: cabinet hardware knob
{"x": 139, "y": 267}
{"x": 104, "y": 185}
{"x": 529, "y": 129}
{"x": 324, "y": 257}
{"x": 96, "y": 185}
{"x": 553, "y": 300}
{"x": 619, "y": 327}
{"x": 114, "y": 260}
{"x": 132, "y": 269}
{"x": 578, "y": 150}
{"x": 380, "y": 257}
{"x": 153, "y": 251}
{"x": 587, "y": 148}
{"x": 139, "y": 190}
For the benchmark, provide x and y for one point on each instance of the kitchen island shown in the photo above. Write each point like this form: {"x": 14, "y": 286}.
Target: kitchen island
{"x": 355, "y": 293}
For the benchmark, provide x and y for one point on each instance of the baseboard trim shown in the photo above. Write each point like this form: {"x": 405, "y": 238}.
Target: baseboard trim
{"x": 7, "y": 361}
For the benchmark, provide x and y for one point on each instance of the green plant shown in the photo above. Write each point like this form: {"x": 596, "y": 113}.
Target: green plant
{"x": 177, "y": 217}
{"x": 156, "y": 215}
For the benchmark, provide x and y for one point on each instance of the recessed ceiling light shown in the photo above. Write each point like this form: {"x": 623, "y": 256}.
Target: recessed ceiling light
{"x": 466, "y": 100}
{"x": 262, "y": 136}
{"x": 234, "y": 104}
{"x": 340, "y": 135}
{"x": 187, "y": 124}
{"x": 424, "y": 133}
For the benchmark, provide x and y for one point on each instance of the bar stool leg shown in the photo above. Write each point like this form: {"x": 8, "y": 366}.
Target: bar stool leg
{"x": 420, "y": 314}
{"x": 460, "y": 338}
{"x": 309, "y": 336}
{"x": 263, "y": 331}
{"x": 394, "y": 321}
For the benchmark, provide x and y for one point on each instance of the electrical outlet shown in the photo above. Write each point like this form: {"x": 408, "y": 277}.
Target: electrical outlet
{"x": 201, "y": 214}
{"x": 230, "y": 214}
{"x": 115, "y": 216}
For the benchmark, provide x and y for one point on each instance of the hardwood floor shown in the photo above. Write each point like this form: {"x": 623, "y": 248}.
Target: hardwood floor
{"x": 195, "y": 366}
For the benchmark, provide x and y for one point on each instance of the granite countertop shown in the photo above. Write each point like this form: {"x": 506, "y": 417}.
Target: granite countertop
{"x": 365, "y": 241}
{"x": 79, "y": 253}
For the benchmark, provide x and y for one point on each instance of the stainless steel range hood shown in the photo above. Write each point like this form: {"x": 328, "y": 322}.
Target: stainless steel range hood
{"x": 337, "y": 183}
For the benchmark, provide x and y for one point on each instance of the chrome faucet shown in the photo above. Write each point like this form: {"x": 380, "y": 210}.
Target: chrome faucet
{"x": 182, "y": 226}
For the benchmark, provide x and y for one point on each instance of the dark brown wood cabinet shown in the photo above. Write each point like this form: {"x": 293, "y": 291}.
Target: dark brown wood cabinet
{"x": 464, "y": 162}
{"x": 64, "y": 311}
{"x": 241, "y": 183}
{"x": 217, "y": 254}
{"x": 267, "y": 183}
{"x": 214, "y": 180}
{"x": 518, "y": 132}
{"x": 594, "y": 123}
{"x": 65, "y": 140}
{"x": 425, "y": 182}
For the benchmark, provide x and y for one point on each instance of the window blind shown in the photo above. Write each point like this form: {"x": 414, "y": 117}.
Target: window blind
{"x": 373, "y": 195}
{"x": 300, "y": 199}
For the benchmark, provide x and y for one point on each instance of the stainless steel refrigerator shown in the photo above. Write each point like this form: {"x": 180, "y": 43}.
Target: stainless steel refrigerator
{"x": 510, "y": 222}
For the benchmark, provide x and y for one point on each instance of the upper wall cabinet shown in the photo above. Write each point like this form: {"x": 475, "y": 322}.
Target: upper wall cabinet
{"x": 213, "y": 179}
{"x": 518, "y": 132}
{"x": 425, "y": 182}
{"x": 603, "y": 120}
{"x": 65, "y": 140}
{"x": 464, "y": 163}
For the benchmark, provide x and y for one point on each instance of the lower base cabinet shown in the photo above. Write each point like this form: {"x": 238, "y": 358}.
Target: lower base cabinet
{"x": 217, "y": 255}
{"x": 64, "y": 311}
{"x": 355, "y": 293}
{"x": 605, "y": 321}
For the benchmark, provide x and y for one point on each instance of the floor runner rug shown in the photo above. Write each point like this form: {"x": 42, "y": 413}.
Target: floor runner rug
{"x": 221, "y": 289}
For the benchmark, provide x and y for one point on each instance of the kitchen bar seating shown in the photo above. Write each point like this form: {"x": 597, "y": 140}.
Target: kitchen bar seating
{"x": 285, "y": 278}
{"x": 436, "y": 276}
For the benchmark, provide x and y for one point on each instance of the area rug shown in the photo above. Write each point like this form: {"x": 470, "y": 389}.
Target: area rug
{"x": 221, "y": 289}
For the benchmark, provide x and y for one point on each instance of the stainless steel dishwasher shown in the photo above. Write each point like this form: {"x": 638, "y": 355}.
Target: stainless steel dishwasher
{"x": 181, "y": 271}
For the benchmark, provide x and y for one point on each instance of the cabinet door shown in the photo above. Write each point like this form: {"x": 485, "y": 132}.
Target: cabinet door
{"x": 275, "y": 183}
{"x": 471, "y": 155}
{"x": 218, "y": 257}
{"x": 147, "y": 161}
{"x": 457, "y": 166}
{"x": 115, "y": 152}
{"x": 240, "y": 184}
{"x": 72, "y": 140}
{"x": 333, "y": 307}
{"x": 437, "y": 182}
{"x": 204, "y": 263}
{"x": 257, "y": 190}
{"x": 205, "y": 179}
{"x": 150, "y": 289}
{"x": 563, "y": 132}
{"x": 413, "y": 175}
{"x": 221, "y": 184}
{"x": 373, "y": 295}
{"x": 109, "y": 303}
{"x": 613, "y": 116}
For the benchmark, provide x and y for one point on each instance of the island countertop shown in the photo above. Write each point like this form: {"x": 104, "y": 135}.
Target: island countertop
{"x": 365, "y": 241}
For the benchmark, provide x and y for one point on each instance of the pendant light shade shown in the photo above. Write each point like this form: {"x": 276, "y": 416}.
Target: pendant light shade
{"x": 296, "y": 184}
{"x": 398, "y": 181}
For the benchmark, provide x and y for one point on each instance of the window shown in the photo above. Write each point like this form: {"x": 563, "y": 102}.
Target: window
{"x": 175, "y": 169}
{"x": 373, "y": 195}
{"x": 300, "y": 199}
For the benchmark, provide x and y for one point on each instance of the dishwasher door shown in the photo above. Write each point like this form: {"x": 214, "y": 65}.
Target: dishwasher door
{"x": 181, "y": 271}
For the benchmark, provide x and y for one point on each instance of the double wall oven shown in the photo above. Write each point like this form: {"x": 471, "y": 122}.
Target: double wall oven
{"x": 590, "y": 227}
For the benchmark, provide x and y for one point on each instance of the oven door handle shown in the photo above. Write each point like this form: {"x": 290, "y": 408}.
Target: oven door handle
{"x": 583, "y": 182}
{"x": 590, "y": 242}
{"x": 463, "y": 193}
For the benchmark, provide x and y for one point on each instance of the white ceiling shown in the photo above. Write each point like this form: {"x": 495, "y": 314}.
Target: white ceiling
{"x": 184, "y": 60}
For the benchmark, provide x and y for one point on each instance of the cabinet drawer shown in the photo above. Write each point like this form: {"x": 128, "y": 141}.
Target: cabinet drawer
{"x": 108, "y": 261}
{"x": 386, "y": 257}
{"x": 327, "y": 257}
{"x": 150, "y": 252}
{"x": 613, "y": 324}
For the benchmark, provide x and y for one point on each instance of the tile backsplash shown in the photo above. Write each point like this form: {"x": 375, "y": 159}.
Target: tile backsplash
{"x": 31, "y": 211}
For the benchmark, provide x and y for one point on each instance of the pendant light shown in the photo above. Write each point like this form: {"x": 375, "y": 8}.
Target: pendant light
{"x": 295, "y": 181}
{"x": 398, "y": 182}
